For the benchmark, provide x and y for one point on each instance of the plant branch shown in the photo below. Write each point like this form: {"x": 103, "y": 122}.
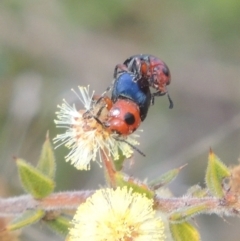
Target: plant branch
{"x": 229, "y": 205}
{"x": 62, "y": 200}
{"x": 108, "y": 168}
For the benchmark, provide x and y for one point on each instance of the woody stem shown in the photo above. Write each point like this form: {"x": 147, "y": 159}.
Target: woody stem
{"x": 110, "y": 170}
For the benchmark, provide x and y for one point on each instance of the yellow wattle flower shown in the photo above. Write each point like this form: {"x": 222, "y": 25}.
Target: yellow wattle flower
{"x": 86, "y": 137}
{"x": 117, "y": 215}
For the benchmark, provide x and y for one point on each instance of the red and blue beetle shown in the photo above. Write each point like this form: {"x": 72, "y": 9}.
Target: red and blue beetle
{"x": 131, "y": 96}
{"x": 133, "y": 79}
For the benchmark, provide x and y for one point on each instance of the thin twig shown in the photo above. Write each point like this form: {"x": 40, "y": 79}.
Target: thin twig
{"x": 63, "y": 200}
{"x": 71, "y": 200}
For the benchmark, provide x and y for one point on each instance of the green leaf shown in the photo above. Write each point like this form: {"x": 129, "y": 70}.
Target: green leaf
{"x": 184, "y": 232}
{"x": 33, "y": 181}
{"x": 216, "y": 173}
{"x": 137, "y": 186}
{"x": 27, "y": 218}
{"x": 187, "y": 213}
{"x": 46, "y": 163}
{"x": 118, "y": 164}
{"x": 165, "y": 179}
{"x": 60, "y": 225}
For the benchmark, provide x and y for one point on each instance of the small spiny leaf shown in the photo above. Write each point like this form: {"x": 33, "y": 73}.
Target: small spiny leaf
{"x": 138, "y": 186}
{"x": 60, "y": 225}
{"x": 33, "y": 181}
{"x": 47, "y": 163}
{"x": 184, "y": 232}
{"x": 119, "y": 162}
{"x": 27, "y": 218}
{"x": 216, "y": 173}
{"x": 165, "y": 179}
{"x": 187, "y": 213}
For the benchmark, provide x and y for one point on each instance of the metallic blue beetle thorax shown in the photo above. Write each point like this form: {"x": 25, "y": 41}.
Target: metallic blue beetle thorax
{"x": 125, "y": 86}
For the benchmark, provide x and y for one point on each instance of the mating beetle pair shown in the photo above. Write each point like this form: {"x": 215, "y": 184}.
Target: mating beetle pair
{"x": 131, "y": 95}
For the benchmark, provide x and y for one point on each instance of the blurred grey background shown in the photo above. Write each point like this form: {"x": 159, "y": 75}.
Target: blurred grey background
{"x": 49, "y": 47}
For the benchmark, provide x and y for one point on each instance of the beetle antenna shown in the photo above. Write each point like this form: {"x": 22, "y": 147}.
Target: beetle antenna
{"x": 133, "y": 147}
